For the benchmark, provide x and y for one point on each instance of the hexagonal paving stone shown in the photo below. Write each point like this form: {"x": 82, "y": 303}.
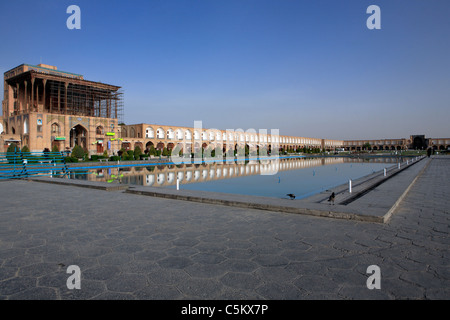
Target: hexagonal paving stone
{"x": 100, "y": 272}
{"x": 175, "y": 262}
{"x": 316, "y": 283}
{"x": 38, "y": 269}
{"x": 200, "y": 288}
{"x": 15, "y": 285}
{"x": 208, "y": 258}
{"x": 115, "y": 258}
{"x": 158, "y": 292}
{"x": 126, "y": 283}
{"x": 149, "y": 254}
{"x": 240, "y": 280}
{"x": 36, "y": 293}
{"x": 162, "y": 276}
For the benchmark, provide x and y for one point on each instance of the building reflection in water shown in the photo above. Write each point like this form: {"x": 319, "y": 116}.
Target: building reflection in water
{"x": 167, "y": 175}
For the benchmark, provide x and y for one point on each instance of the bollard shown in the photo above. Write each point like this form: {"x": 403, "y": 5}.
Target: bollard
{"x": 385, "y": 172}
{"x": 407, "y": 162}
{"x": 178, "y": 184}
{"x": 350, "y": 186}
{"x": 399, "y": 165}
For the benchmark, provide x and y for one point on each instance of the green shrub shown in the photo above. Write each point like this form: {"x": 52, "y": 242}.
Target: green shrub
{"x": 137, "y": 152}
{"x": 114, "y": 158}
{"x": 12, "y": 148}
{"x": 78, "y": 152}
{"x": 71, "y": 159}
{"x": 25, "y": 149}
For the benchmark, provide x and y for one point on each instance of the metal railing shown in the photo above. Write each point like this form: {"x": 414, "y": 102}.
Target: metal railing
{"x": 26, "y": 164}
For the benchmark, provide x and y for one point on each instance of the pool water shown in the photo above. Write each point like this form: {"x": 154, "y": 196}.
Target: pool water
{"x": 301, "y": 176}
{"x": 301, "y": 182}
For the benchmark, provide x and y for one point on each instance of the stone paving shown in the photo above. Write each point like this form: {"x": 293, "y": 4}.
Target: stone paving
{"x": 138, "y": 247}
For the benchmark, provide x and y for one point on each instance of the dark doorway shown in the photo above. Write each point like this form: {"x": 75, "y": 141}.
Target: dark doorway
{"x": 78, "y": 136}
{"x": 419, "y": 143}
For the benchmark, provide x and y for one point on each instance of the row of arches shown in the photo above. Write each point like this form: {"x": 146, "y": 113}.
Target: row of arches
{"x": 188, "y": 147}
{"x": 213, "y": 135}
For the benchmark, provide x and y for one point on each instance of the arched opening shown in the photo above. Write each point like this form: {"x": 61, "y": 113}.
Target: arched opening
{"x": 160, "y": 133}
{"x": 126, "y": 145}
{"x": 99, "y": 131}
{"x": 148, "y": 146}
{"x": 149, "y": 133}
{"x": 55, "y": 129}
{"x": 78, "y": 136}
{"x": 170, "y": 134}
{"x": 160, "y": 145}
{"x": 140, "y": 145}
{"x": 25, "y": 127}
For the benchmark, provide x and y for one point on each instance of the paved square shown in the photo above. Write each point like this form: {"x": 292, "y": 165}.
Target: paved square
{"x": 138, "y": 247}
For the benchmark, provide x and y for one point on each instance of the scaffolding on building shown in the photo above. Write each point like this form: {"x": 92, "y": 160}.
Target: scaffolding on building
{"x": 80, "y": 99}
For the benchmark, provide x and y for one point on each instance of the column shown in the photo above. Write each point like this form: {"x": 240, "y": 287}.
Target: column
{"x": 43, "y": 102}
{"x": 32, "y": 94}
{"x": 66, "y": 85}
{"x": 25, "y": 101}
{"x": 17, "y": 98}
{"x": 59, "y": 99}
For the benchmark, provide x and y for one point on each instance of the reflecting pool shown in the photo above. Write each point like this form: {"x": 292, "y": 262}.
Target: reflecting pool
{"x": 301, "y": 176}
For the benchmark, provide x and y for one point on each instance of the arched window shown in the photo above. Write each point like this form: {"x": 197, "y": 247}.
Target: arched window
{"x": 149, "y": 133}
{"x": 55, "y": 129}
{"x": 99, "y": 130}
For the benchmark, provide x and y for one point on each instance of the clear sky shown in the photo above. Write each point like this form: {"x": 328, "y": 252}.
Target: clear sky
{"x": 306, "y": 67}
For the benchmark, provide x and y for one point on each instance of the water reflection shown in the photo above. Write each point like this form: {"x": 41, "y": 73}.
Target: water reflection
{"x": 291, "y": 175}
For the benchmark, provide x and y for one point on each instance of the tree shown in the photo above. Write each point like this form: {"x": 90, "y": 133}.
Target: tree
{"x": 12, "y": 148}
{"x": 78, "y": 152}
{"x": 55, "y": 148}
{"x": 25, "y": 149}
{"x": 367, "y": 146}
{"x": 137, "y": 152}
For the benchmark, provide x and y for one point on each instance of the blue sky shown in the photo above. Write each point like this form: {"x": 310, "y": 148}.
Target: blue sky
{"x": 307, "y": 67}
